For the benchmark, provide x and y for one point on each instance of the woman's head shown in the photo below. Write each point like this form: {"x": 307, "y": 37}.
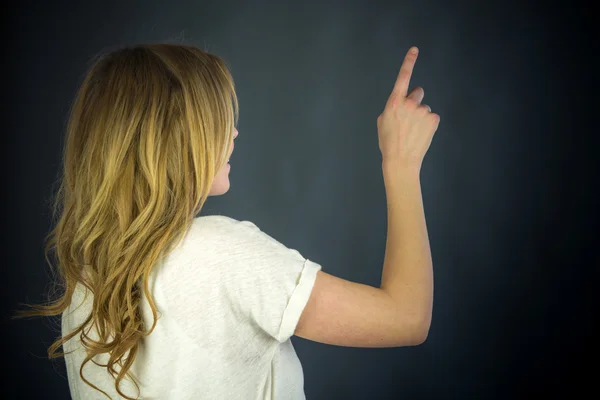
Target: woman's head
{"x": 173, "y": 105}
{"x": 148, "y": 138}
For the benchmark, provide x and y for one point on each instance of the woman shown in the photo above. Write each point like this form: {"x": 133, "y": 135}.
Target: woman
{"x": 158, "y": 304}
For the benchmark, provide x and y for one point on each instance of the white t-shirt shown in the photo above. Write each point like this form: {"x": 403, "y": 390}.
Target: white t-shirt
{"x": 229, "y": 298}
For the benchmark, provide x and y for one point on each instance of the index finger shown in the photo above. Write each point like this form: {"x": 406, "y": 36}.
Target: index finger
{"x": 401, "y": 85}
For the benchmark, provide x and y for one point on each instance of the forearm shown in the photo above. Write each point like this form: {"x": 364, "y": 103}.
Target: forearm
{"x": 408, "y": 269}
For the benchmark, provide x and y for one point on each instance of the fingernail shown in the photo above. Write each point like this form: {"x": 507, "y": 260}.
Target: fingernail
{"x": 414, "y": 50}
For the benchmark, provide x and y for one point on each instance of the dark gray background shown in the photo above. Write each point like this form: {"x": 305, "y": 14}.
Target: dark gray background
{"x": 506, "y": 181}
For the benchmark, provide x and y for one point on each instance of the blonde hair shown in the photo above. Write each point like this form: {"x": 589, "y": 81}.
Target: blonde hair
{"x": 148, "y": 130}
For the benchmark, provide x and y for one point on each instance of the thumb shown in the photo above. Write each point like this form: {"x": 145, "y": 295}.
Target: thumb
{"x": 417, "y": 95}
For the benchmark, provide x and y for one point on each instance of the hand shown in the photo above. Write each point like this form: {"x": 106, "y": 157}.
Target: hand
{"x": 406, "y": 127}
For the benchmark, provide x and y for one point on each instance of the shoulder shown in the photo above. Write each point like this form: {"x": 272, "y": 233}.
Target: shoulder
{"x": 222, "y": 224}
{"x": 210, "y": 241}
{"x": 220, "y": 231}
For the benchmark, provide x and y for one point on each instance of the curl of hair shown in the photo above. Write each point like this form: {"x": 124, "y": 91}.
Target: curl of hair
{"x": 148, "y": 130}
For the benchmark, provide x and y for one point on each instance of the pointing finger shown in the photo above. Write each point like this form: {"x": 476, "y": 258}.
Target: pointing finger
{"x": 401, "y": 85}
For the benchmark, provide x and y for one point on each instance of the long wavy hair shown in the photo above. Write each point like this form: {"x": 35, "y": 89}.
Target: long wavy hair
{"x": 148, "y": 130}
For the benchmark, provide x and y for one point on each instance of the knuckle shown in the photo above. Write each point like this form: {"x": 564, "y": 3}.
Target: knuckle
{"x": 410, "y": 102}
{"x": 422, "y": 110}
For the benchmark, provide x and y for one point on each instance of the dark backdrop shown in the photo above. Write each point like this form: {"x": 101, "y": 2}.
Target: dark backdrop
{"x": 506, "y": 183}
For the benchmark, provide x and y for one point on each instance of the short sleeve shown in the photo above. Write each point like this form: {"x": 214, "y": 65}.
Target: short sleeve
{"x": 268, "y": 282}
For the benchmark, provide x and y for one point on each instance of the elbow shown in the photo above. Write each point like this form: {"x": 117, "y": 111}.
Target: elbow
{"x": 421, "y": 336}
{"x": 421, "y": 331}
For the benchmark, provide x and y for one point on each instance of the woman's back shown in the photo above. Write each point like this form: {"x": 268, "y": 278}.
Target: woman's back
{"x": 229, "y": 298}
